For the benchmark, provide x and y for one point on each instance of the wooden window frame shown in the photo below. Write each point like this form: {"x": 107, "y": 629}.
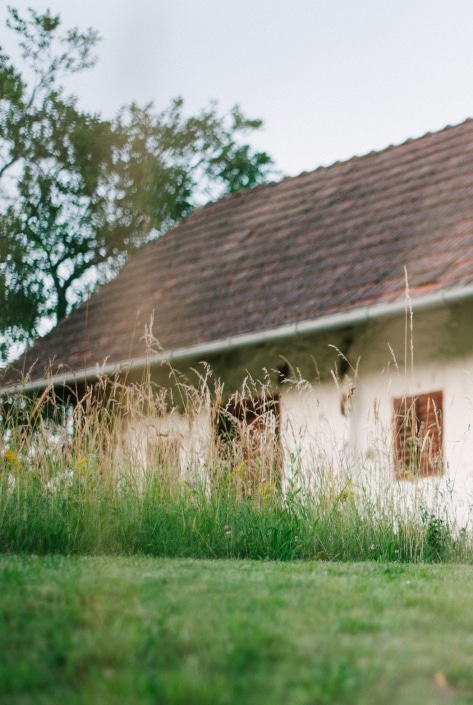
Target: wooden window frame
{"x": 418, "y": 435}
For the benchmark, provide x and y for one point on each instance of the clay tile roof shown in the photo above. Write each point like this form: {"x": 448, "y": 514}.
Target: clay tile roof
{"x": 331, "y": 241}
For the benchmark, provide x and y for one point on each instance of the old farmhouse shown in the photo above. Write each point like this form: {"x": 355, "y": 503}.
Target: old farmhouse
{"x": 348, "y": 291}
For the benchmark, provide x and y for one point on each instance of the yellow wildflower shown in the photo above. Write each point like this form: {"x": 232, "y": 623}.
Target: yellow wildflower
{"x": 12, "y": 461}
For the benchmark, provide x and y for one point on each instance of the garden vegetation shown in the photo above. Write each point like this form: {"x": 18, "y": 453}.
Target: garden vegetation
{"x": 73, "y": 481}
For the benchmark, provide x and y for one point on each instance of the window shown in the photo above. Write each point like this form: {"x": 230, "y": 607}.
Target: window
{"x": 248, "y": 441}
{"x": 418, "y": 435}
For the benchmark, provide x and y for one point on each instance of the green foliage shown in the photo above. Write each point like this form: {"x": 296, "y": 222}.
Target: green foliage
{"x": 52, "y": 159}
{"x": 54, "y": 501}
{"x": 108, "y": 476}
{"x": 168, "y": 163}
{"x": 79, "y": 193}
{"x": 438, "y": 537}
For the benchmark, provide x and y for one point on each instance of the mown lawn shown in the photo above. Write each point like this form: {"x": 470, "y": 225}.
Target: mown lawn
{"x": 183, "y": 632}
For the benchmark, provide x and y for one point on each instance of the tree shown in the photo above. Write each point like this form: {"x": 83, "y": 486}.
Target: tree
{"x": 78, "y": 194}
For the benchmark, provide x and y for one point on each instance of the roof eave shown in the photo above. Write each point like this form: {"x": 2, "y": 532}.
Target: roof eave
{"x": 319, "y": 325}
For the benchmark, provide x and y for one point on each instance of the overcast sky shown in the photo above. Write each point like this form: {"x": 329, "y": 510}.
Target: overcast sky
{"x": 330, "y": 78}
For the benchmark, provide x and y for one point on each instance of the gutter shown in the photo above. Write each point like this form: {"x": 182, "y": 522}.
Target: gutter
{"x": 319, "y": 325}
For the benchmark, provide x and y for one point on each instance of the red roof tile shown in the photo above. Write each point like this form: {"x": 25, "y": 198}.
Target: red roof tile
{"x": 325, "y": 242}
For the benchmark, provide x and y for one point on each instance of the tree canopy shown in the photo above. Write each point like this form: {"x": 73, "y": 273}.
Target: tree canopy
{"x": 79, "y": 193}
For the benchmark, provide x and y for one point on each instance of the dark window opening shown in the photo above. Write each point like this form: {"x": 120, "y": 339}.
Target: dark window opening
{"x": 248, "y": 441}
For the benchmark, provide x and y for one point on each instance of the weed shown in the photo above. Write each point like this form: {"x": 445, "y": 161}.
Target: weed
{"x": 126, "y": 469}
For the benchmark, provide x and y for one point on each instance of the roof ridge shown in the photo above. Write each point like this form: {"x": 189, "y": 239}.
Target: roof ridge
{"x": 243, "y": 193}
{"x": 249, "y": 194}
{"x": 390, "y": 147}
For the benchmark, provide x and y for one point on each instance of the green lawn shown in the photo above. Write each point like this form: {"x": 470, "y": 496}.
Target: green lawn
{"x": 162, "y": 631}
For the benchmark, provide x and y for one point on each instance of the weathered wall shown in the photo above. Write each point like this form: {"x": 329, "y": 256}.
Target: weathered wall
{"x": 337, "y": 417}
{"x": 436, "y": 354}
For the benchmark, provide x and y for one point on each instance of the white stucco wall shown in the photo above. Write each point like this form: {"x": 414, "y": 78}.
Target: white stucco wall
{"x": 393, "y": 358}
{"x": 438, "y": 358}
{"x": 314, "y": 433}
{"x": 372, "y": 427}
{"x": 176, "y": 437}
{"x": 319, "y": 440}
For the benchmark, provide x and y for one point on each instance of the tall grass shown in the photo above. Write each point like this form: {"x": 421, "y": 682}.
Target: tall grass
{"x": 112, "y": 475}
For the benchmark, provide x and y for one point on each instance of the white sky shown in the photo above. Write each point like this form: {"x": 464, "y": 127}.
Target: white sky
{"x": 330, "y": 78}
